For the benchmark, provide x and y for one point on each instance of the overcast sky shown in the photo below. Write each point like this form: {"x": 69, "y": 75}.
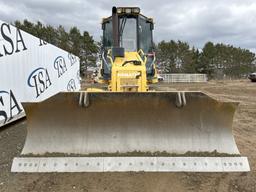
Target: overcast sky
{"x": 226, "y": 21}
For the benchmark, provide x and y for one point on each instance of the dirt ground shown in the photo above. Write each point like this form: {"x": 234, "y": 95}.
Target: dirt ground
{"x": 12, "y": 140}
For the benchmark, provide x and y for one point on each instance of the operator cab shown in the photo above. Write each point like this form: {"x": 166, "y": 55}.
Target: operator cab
{"x": 127, "y": 30}
{"x": 134, "y": 29}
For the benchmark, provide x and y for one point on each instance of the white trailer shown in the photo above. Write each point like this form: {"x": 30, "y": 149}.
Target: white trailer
{"x": 31, "y": 70}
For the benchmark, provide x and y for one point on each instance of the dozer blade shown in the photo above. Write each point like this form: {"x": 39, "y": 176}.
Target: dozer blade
{"x": 153, "y": 131}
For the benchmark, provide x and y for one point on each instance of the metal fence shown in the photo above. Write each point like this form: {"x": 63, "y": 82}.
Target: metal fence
{"x": 184, "y": 78}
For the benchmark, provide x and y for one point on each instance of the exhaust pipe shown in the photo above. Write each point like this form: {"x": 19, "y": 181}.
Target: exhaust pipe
{"x": 115, "y": 27}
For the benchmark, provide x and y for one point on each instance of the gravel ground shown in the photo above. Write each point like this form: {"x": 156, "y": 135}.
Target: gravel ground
{"x": 12, "y": 139}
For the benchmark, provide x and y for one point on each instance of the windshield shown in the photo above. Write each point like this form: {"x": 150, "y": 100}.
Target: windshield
{"x": 145, "y": 35}
{"x": 128, "y": 33}
{"x": 107, "y": 35}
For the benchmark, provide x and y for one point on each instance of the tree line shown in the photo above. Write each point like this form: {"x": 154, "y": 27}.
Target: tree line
{"x": 216, "y": 60}
{"x": 78, "y": 43}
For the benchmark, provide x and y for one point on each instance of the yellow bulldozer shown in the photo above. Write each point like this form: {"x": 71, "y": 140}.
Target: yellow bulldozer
{"x": 127, "y": 126}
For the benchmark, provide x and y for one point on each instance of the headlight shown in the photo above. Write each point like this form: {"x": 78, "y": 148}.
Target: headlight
{"x": 128, "y": 10}
{"x": 136, "y": 10}
{"x": 119, "y": 10}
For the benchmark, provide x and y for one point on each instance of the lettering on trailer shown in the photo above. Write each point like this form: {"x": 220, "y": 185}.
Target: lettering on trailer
{"x": 42, "y": 42}
{"x": 40, "y": 80}
{"x": 71, "y": 85}
{"x": 72, "y": 58}
{"x": 78, "y": 75}
{"x": 9, "y": 106}
{"x": 60, "y": 65}
{"x": 9, "y": 43}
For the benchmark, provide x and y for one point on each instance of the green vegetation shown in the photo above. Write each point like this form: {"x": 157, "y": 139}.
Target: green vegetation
{"x": 216, "y": 60}
{"x": 73, "y": 41}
